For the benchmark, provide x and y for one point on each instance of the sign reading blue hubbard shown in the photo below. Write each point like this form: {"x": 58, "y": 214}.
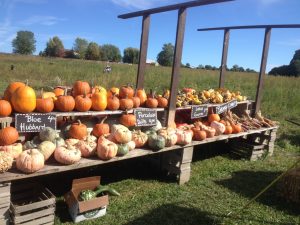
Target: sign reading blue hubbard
{"x": 34, "y": 122}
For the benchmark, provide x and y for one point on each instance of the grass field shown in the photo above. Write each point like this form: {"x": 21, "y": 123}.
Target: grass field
{"x": 218, "y": 184}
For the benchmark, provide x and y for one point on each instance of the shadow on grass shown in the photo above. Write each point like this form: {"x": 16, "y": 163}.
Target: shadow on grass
{"x": 171, "y": 214}
{"x": 294, "y": 138}
{"x": 250, "y": 183}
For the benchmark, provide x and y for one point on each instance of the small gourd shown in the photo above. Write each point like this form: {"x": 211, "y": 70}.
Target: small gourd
{"x": 48, "y": 134}
{"x": 156, "y": 142}
{"x": 123, "y": 149}
{"x": 47, "y": 148}
{"x": 6, "y": 161}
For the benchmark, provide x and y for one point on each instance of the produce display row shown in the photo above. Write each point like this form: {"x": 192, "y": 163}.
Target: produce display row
{"x": 21, "y": 98}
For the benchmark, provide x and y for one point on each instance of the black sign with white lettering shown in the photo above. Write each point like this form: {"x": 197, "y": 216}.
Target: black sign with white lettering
{"x": 232, "y": 104}
{"x": 145, "y": 117}
{"x": 221, "y": 108}
{"x": 199, "y": 111}
{"x": 34, "y": 122}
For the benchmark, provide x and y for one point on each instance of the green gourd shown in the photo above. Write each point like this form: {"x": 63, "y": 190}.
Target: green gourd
{"x": 123, "y": 149}
{"x": 86, "y": 195}
{"x": 156, "y": 142}
{"x": 48, "y": 134}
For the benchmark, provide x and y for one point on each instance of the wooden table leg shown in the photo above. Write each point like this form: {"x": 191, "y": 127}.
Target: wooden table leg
{"x": 4, "y": 202}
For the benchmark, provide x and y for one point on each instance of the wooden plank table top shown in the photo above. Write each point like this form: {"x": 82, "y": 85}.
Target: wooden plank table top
{"x": 54, "y": 167}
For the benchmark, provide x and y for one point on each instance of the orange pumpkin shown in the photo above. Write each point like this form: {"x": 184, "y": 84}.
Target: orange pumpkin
{"x": 12, "y": 87}
{"x": 58, "y": 91}
{"x": 8, "y": 136}
{"x": 213, "y": 117}
{"x": 142, "y": 95}
{"x": 199, "y": 135}
{"x": 101, "y": 128}
{"x": 5, "y": 108}
{"x": 44, "y": 105}
{"x": 99, "y": 89}
{"x": 151, "y": 101}
{"x": 236, "y": 128}
{"x": 49, "y": 95}
{"x": 65, "y": 103}
{"x": 24, "y": 100}
{"x": 126, "y": 91}
{"x": 113, "y": 91}
{"x": 78, "y": 130}
{"x": 126, "y": 103}
{"x": 228, "y": 129}
{"x": 81, "y": 88}
{"x": 136, "y": 102}
{"x": 128, "y": 120}
{"x": 83, "y": 103}
{"x": 99, "y": 100}
{"x": 113, "y": 103}
{"x": 162, "y": 102}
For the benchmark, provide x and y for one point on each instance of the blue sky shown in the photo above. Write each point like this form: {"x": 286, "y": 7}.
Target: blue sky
{"x": 96, "y": 20}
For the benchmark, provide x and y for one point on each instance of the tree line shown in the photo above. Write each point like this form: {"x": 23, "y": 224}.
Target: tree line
{"x": 24, "y": 43}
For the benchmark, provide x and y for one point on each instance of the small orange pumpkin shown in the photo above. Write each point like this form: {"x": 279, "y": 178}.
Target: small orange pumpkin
{"x": 126, "y": 91}
{"x": 128, "y": 120}
{"x": 78, "y": 130}
{"x": 58, "y": 91}
{"x": 228, "y": 129}
{"x": 83, "y": 103}
{"x": 65, "y": 103}
{"x": 236, "y": 128}
{"x": 162, "y": 102}
{"x": 44, "y": 105}
{"x": 213, "y": 117}
{"x": 199, "y": 135}
{"x": 113, "y": 102}
{"x": 126, "y": 103}
{"x": 5, "y": 108}
{"x": 81, "y": 88}
{"x": 12, "y": 87}
{"x": 101, "y": 128}
{"x": 8, "y": 136}
{"x": 136, "y": 101}
{"x": 151, "y": 101}
{"x": 113, "y": 91}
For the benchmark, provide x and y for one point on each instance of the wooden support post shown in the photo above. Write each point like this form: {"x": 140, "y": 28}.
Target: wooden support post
{"x": 176, "y": 65}
{"x": 4, "y": 202}
{"x": 262, "y": 71}
{"x": 224, "y": 58}
{"x": 143, "y": 52}
{"x": 185, "y": 166}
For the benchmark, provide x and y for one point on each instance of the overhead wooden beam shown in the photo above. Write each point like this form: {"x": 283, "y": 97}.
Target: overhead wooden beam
{"x": 171, "y": 7}
{"x": 143, "y": 52}
{"x": 262, "y": 70}
{"x": 224, "y": 58}
{"x": 176, "y": 65}
{"x": 252, "y": 27}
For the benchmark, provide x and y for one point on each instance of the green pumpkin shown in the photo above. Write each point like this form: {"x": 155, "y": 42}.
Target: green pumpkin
{"x": 123, "y": 149}
{"x": 34, "y": 143}
{"x": 156, "y": 142}
{"x": 48, "y": 134}
{"x": 59, "y": 142}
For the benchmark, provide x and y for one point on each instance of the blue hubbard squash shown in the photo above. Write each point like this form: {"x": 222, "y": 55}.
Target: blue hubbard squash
{"x": 156, "y": 142}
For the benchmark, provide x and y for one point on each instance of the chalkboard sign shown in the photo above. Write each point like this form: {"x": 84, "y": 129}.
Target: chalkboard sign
{"x": 34, "y": 122}
{"x": 199, "y": 111}
{"x": 232, "y": 104}
{"x": 221, "y": 108}
{"x": 145, "y": 117}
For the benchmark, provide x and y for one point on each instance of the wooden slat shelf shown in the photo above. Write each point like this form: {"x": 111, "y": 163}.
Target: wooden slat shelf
{"x": 54, "y": 167}
{"x": 214, "y": 104}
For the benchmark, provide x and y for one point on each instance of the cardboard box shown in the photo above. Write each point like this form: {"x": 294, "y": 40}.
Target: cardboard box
{"x": 83, "y": 210}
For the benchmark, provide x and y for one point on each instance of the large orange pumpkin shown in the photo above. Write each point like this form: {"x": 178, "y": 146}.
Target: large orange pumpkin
{"x": 99, "y": 100}
{"x": 5, "y": 108}
{"x": 8, "y": 136}
{"x": 81, "y": 88}
{"x": 12, "y": 87}
{"x": 24, "y": 100}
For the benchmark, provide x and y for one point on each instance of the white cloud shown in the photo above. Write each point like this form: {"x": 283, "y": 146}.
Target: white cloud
{"x": 42, "y": 20}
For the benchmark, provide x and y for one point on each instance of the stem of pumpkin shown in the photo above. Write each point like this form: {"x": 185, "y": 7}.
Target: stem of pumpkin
{"x": 104, "y": 118}
{"x": 26, "y": 83}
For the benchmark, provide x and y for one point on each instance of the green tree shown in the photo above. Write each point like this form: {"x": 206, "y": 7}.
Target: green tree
{"x": 131, "y": 55}
{"x": 92, "y": 52}
{"x": 200, "y": 66}
{"x": 24, "y": 43}
{"x": 54, "y": 47}
{"x": 208, "y": 67}
{"x": 80, "y": 46}
{"x": 165, "y": 57}
{"x": 110, "y": 52}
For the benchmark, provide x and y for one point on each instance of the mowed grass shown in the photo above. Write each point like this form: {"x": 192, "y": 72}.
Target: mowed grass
{"x": 218, "y": 184}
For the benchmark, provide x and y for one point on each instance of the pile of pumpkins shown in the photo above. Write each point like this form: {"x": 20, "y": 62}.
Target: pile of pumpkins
{"x": 21, "y": 98}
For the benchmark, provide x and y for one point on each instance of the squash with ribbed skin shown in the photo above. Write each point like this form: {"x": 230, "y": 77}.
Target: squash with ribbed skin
{"x": 122, "y": 134}
{"x": 170, "y": 136}
{"x": 67, "y": 155}
{"x": 106, "y": 149}
{"x": 47, "y": 148}
{"x": 101, "y": 128}
{"x": 140, "y": 139}
{"x": 30, "y": 161}
{"x": 48, "y": 134}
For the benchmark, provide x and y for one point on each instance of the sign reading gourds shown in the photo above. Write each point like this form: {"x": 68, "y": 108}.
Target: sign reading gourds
{"x": 199, "y": 111}
{"x": 34, "y": 122}
{"x": 224, "y": 107}
{"x": 145, "y": 117}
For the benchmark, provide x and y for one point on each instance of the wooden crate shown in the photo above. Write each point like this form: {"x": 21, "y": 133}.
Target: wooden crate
{"x": 32, "y": 204}
{"x": 4, "y": 203}
{"x": 254, "y": 146}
